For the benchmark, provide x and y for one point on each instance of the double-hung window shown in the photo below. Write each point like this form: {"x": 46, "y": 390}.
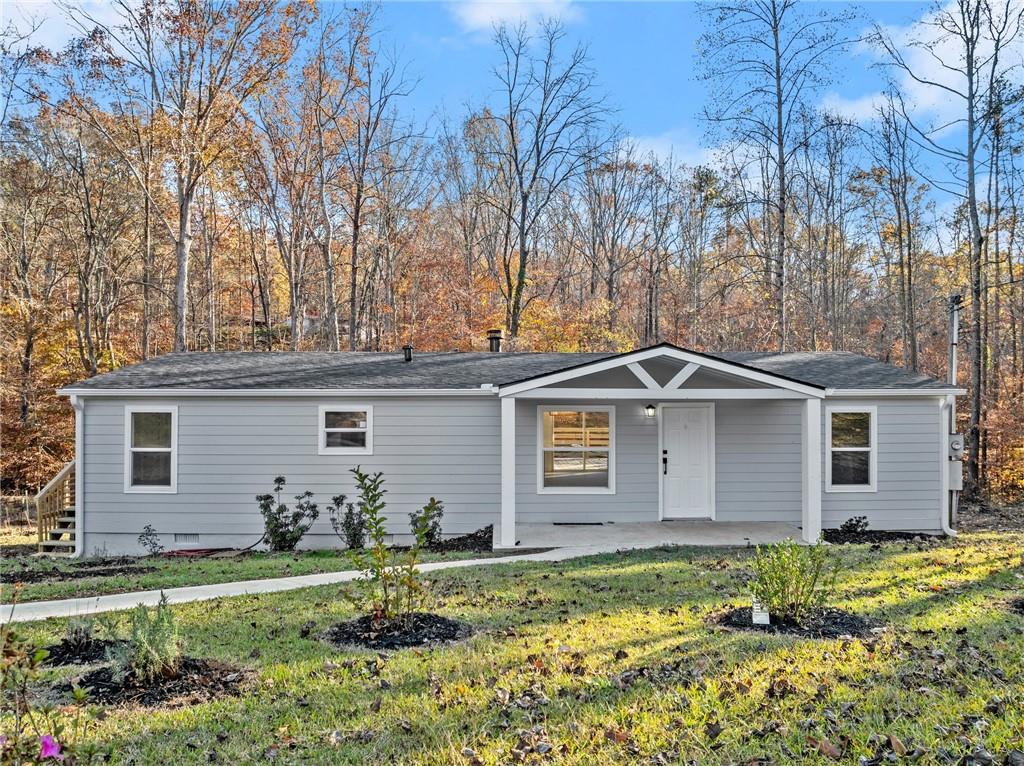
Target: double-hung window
{"x": 151, "y": 449}
{"x": 346, "y": 430}
{"x": 576, "y": 450}
{"x": 851, "y": 439}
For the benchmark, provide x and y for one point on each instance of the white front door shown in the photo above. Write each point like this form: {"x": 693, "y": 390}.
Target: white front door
{"x": 687, "y": 445}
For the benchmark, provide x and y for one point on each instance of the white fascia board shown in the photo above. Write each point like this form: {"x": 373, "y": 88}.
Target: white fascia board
{"x": 172, "y": 393}
{"x": 883, "y": 392}
{"x": 667, "y": 353}
{"x": 680, "y": 394}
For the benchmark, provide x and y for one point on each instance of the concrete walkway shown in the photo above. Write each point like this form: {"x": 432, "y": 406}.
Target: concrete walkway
{"x": 74, "y": 607}
{"x": 567, "y": 542}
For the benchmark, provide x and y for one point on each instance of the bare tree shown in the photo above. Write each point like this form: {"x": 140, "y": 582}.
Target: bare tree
{"x": 968, "y": 40}
{"x": 542, "y": 141}
{"x": 766, "y": 59}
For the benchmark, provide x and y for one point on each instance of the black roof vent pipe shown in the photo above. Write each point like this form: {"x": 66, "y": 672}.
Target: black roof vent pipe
{"x": 494, "y": 340}
{"x": 407, "y": 351}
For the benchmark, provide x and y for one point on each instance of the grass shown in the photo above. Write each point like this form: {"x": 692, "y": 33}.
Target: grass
{"x": 17, "y": 535}
{"x": 610, "y": 660}
{"x": 154, "y": 572}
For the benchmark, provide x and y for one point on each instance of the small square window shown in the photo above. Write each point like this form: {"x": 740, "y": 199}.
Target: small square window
{"x": 346, "y": 430}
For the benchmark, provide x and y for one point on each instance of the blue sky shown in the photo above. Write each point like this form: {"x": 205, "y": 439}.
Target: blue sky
{"x": 643, "y": 52}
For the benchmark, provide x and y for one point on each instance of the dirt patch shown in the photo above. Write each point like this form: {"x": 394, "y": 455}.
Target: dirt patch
{"x": 76, "y": 572}
{"x": 420, "y": 629}
{"x": 196, "y": 681}
{"x": 839, "y": 537}
{"x": 825, "y": 623}
{"x": 79, "y": 653}
{"x": 986, "y": 517}
{"x": 1016, "y": 605}
{"x": 18, "y": 551}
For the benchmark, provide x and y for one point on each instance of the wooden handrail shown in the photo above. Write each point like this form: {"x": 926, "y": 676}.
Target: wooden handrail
{"x": 54, "y": 499}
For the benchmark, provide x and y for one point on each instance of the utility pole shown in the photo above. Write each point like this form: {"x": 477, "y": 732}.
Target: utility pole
{"x": 954, "y": 339}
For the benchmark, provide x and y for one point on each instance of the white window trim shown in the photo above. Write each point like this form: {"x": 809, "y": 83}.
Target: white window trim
{"x": 541, "y": 489}
{"x": 872, "y": 412}
{"x": 321, "y": 431}
{"x": 129, "y": 488}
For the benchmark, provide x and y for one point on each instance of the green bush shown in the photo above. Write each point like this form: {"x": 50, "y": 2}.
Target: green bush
{"x": 153, "y": 648}
{"x": 392, "y": 587}
{"x": 283, "y": 527}
{"x": 348, "y": 522}
{"x": 790, "y": 579}
{"x": 426, "y": 523}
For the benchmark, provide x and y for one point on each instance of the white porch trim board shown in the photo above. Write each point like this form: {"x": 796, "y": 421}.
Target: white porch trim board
{"x": 508, "y": 473}
{"x": 702, "y": 394}
{"x": 812, "y": 456}
{"x": 625, "y": 360}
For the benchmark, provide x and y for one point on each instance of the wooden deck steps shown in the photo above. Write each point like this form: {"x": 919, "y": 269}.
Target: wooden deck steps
{"x": 55, "y": 513}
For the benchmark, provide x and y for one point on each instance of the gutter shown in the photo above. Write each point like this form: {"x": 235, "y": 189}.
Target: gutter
{"x": 271, "y": 392}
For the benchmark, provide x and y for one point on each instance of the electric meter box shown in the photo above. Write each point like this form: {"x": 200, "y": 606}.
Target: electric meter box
{"x": 956, "y": 446}
{"x": 956, "y": 475}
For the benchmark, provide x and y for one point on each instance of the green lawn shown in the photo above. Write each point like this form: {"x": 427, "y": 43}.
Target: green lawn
{"x": 153, "y": 572}
{"x": 554, "y": 664}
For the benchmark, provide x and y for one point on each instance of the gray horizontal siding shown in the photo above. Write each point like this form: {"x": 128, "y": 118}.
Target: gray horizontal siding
{"x": 758, "y": 460}
{"x": 909, "y": 485}
{"x": 636, "y": 470}
{"x": 230, "y": 450}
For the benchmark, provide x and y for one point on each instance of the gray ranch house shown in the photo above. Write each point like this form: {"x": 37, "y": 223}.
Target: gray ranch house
{"x": 183, "y": 443}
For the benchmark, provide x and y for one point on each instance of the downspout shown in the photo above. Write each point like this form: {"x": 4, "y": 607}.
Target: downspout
{"x": 79, "y": 406}
{"x": 949, "y": 519}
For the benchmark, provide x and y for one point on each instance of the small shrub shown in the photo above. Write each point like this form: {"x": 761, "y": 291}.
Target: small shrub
{"x": 392, "y": 588}
{"x": 283, "y": 528}
{"x": 153, "y": 648}
{"x": 34, "y": 733}
{"x": 427, "y": 523}
{"x": 855, "y": 525}
{"x": 790, "y": 579}
{"x": 348, "y": 522}
{"x": 150, "y": 541}
{"x": 80, "y": 633}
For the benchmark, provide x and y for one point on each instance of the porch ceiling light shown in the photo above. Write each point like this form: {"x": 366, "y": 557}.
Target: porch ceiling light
{"x": 650, "y": 410}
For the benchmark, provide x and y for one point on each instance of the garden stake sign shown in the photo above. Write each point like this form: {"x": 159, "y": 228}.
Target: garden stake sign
{"x": 759, "y": 613}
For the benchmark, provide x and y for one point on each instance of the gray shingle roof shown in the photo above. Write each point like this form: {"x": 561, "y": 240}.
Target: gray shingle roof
{"x": 255, "y": 370}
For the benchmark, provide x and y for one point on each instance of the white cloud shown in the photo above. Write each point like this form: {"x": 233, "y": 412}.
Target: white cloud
{"x": 484, "y": 15}
{"x": 930, "y": 56}
{"x": 52, "y": 27}
{"x": 678, "y": 143}
{"x": 859, "y": 109}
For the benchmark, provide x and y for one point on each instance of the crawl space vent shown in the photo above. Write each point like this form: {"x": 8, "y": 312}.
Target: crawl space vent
{"x": 186, "y": 539}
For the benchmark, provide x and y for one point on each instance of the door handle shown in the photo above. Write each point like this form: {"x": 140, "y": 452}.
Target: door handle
{"x": 664, "y": 462}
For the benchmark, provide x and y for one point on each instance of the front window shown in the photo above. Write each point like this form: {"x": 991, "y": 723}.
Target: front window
{"x": 577, "y": 450}
{"x": 346, "y": 430}
{"x": 851, "y": 441}
{"x": 151, "y": 446}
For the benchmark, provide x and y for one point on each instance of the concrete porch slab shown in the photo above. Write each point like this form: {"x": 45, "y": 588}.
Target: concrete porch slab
{"x": 612, "y": 537}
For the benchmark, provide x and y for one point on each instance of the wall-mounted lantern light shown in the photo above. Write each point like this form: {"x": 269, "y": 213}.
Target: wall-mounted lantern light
{"x": 650, "y": 410}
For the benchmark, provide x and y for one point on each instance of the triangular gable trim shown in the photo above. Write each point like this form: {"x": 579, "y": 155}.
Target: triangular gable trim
{"x": 667, "y": 351}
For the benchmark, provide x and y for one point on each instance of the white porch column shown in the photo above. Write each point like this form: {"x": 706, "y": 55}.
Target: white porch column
{"x": 507, "y": 538}
{"x": 811, "y": 516}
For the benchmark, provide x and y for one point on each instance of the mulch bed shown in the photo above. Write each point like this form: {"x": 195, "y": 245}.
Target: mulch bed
{"x": 106, "y": 568}
{"x": 77, "y": 653}
{"x": 839, "y": 537}
{"x": 480, "y": 541}
{"x": 196, "y": 681}
{"x": 422, "y": 628}
{"x": 825, "y": 623}
{"x": 18, "y": 551}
